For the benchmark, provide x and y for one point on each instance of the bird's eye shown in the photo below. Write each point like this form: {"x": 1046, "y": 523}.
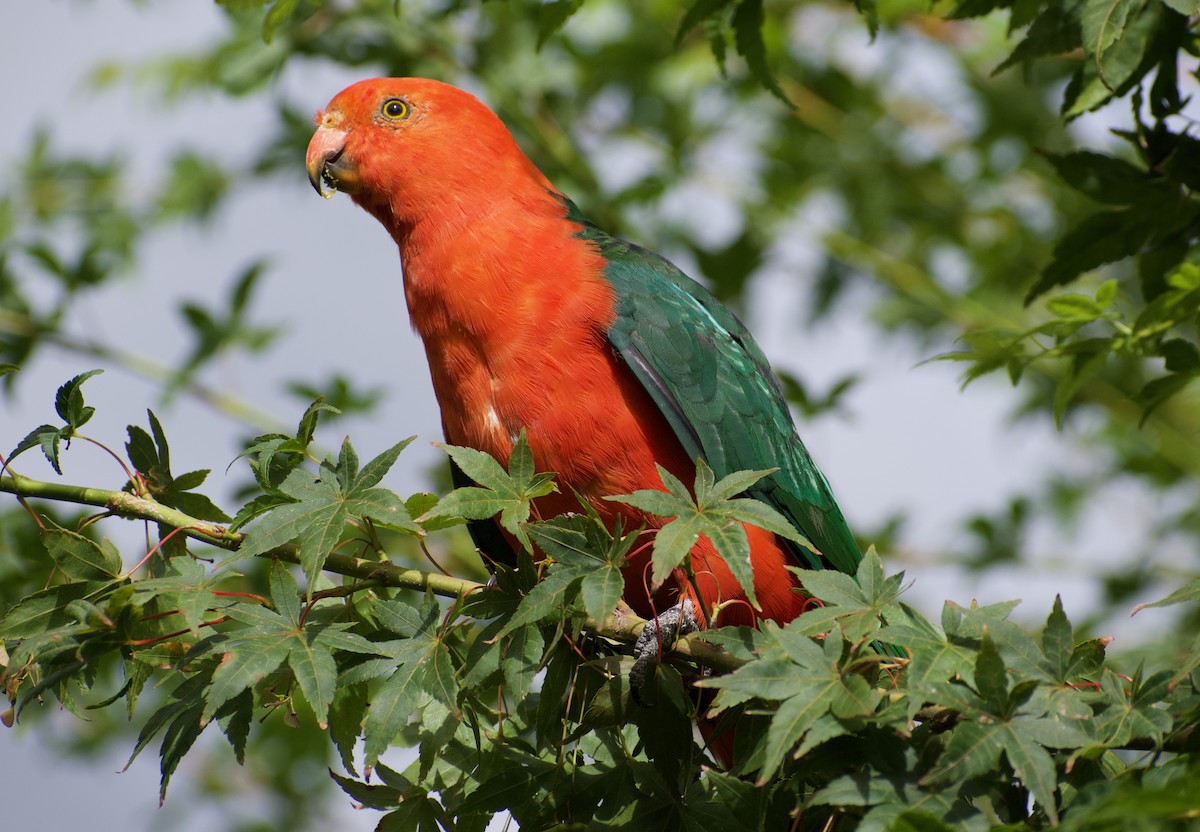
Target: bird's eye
{"x": 395, "y": 108}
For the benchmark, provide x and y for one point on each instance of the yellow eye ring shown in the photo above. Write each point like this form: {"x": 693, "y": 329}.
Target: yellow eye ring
{"x": 395, "y": 109}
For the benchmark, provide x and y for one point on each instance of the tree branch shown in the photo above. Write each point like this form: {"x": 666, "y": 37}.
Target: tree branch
{"x": 623, "y": 626}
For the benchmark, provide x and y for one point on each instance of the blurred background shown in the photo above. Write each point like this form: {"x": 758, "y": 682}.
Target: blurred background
{"x": 156, "y": 222}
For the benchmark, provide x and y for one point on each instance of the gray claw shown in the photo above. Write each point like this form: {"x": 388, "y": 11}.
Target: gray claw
{"x": 658, "y": 633}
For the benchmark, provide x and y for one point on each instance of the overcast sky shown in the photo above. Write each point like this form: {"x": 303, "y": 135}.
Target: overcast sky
{"x": 911, "y": 441}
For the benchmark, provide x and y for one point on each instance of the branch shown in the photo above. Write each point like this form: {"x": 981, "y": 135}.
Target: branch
{"x": 15, "y": 323}
{"x": 623, "y": 626}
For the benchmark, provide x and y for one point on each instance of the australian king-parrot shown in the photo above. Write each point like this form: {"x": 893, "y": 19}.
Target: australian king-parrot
{"x": 608, "y": 357}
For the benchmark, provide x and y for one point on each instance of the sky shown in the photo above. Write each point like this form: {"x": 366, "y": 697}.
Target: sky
{"x": 910, "y": 441}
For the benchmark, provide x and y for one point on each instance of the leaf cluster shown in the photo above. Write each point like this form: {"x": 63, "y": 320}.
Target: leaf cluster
{"x": 515, "y": 696}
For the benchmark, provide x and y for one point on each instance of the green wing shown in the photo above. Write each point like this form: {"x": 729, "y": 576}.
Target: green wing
{"x": 714, "y": 386}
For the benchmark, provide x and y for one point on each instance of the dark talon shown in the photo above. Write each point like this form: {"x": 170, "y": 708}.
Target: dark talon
{"x": 660, "y": 632}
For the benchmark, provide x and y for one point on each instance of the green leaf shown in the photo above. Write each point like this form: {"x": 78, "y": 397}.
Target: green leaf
{"x": 235, "y": 723}
{"x": 552, "y": 16}
{"x": 1034, "y": 767}
{"x": 936, "y": 656}
{"x": 1058, "y": 642}
{"x": 973, "y": 749}
{"x": 48, "y": 437}
{"x": 1053, "y": 32}
{"x": 1073, "y": 307}
{"x": 509, "y": 494}
{"x": 390, "y": 709}
{"x": 581, "y": 547}
{"x": 712, "y": 514}
{"x": 346, "y": 714}
{"x": 1103, "y": 22}
{"x": 1084, "y": 366}
{"x": 991, "y": 677}
{"x": 1105, "y": 178}
{"x": 1115, "y": 70}
{"x": 244, "y": 665}
{"x": 68, "y": 402}
{"x": 79, "y": 557}
{"x": 1104, "y": 237}
{"x": 46, "y": 609}
{"x": 375, "y": 470}
{"x": 748, "y": 20}
{"x": 546, "y": 599}
{"x": 324, "y": 503}
{"x": 186, "y": 588}
{"x": 1156, "y": 391}
{"x": 281, "y": 11}
{"x": 790, "y": 723}
{"x": 1186, "y": 594}
{"x": 316, "y": 673}
{"x": 697, "y": 13}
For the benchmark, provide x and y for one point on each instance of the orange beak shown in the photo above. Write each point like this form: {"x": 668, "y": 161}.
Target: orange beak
{"x": 328, "y": 165}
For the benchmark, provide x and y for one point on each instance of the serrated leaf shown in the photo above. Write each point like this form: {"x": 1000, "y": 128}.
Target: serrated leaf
{"x": 791, "y": 721}
{"x": 316, "y": 673}
{"x": 748, "y": 20}
{"x": 181, "y": 734}
{"x": 45, "y": 610}
{"x": 1034, "y": 767}
{"x": 698, "y": 12}
{"x": 1187, "y": 593}
{"x": 1058, "y": 642}
{"x": 246, "y": 664}
{"x": 1054, "y": 31}
{"x": 375, "y": 470}
{"x": 712, "y": 514}
{"x": 279, "y": 14}
{"x": 1104, "y": 178}
{"x": 235, "y": 721}
{"x": 507, "y": 493}
{"x": 80, "y": 557}
{"x": 68, "y": 401}
{"x": 1103, "y": 22}
{"x": 511, "y": 786}
{"x": 1103, "y": 237}
{"x": 1075, "y": 307}
{"x": 936, "y": 656}
{"x": 600, "y": 592}
{"x": 141, "y": 451}
{"x": 308, "y": 422}
{"x": 973, "y": 749}
{"x": 48, "y": 437}
{"x": 346, "y": 714}
{"x": 553, "y": 15}
{"x": 768, "y": 678}
{"x": 832, "y": 587}
{"x": 479, "y": 466}
{"x": 390, "y": 708}
{"x": 546, "y": 598}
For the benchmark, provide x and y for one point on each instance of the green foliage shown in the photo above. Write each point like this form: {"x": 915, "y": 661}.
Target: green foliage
{"x": 711, "y": 513}
{"x": 506, "y": 493}
{"x": 69, "y": 406}
{"x": 516, "y": 694}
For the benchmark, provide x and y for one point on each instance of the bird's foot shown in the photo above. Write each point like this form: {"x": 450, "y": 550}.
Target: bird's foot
{"x": 659, "y": 633}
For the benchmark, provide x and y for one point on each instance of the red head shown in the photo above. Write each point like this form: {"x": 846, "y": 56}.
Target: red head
{"x": 412, "y": 149}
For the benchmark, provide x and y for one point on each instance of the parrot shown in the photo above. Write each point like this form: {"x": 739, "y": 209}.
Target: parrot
{"x": 607, "y": 357}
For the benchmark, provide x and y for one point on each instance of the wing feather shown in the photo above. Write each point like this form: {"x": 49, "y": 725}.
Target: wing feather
{"x": 714, "y": 386}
